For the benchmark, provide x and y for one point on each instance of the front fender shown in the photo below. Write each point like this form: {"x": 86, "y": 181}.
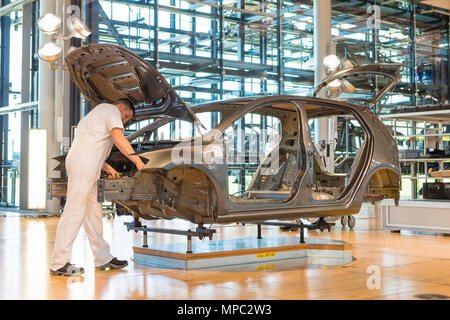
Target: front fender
{"x": 168, "y": 159}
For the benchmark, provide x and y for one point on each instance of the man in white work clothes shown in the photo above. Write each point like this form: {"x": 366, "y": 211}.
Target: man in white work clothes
{"x": 92, "y": 145}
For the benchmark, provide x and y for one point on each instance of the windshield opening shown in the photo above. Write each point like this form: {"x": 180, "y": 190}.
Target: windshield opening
{"x": 173, "y": 129}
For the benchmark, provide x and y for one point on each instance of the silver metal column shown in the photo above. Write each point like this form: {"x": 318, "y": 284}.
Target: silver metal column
{"x": 47, "y": 108}
{"x": 322, "y": 48}
{"x": 66, "y": 98}
{"x": 25, "y": 97}
{"x": 322, "y": 37}
{"x": 59, "y": 84}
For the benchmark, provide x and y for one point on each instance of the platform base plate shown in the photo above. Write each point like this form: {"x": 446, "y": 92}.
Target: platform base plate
{"x": 220, "y": 253}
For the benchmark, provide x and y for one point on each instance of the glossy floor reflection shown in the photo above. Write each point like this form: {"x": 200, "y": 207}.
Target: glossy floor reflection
{"x": 408, "y": 264}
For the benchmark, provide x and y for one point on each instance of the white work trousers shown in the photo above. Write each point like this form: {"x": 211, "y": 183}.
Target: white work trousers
{"x": 82, "y": 208}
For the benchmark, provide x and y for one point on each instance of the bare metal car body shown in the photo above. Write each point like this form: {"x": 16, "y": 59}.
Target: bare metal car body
{"x": 197, "y": 191}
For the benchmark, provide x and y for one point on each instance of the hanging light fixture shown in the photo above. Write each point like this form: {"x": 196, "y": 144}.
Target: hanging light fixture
{"x": 77, "y": 28}
{"x": 334, "y": 85}
{"x": 334, "y": 88}
{"x": 347, "y": 87}
{"x": 49, "y": 23}
{"x": 332, "y": 62}
{"x": 50, "y": 52}
{"x": 336, "y": 66}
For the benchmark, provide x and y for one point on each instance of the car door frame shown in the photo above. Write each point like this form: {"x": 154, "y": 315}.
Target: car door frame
{"x": 231, "y": 206}
{"x": 301, "y": 200}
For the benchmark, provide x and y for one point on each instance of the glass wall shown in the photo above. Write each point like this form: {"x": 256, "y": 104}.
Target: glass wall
{"x": 11, "y": 63}
{"x": 13, "y": 67}
{"x": 211, "y": 50}
{"x": 221, "y": 49}
{"x": 397, "y": 32}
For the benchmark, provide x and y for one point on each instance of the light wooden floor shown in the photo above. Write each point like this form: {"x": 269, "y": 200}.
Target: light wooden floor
{"x": 409, "y": 264}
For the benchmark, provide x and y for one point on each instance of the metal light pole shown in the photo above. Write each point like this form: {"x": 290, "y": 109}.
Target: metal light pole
{"x": 52, "y": 78}
{"x": 47, "y": 108}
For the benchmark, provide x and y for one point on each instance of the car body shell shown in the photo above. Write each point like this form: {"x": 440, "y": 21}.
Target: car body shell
{"x": 197, "y": 191}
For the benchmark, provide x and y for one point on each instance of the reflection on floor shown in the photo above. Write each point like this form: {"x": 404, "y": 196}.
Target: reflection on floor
{"x": 407, "y": 264}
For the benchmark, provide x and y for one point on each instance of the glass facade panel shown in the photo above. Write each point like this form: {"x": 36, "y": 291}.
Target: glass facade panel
{"x": 222, "y": 49}
{"x": 10, "y": 92}
{"x": 230, "y": 48}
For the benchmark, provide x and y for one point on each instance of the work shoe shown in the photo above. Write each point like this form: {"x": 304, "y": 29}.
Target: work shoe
{"x": 114, "y": 264}
{"x": 68, "y": 270}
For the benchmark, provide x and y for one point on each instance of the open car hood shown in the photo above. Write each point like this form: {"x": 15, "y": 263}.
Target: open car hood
{"x": 107, "y": 72}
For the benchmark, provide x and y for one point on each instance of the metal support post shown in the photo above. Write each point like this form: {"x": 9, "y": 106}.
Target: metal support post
{"x": 321, "y": 225}
{"x": 189, "y": 243}
{"x": 221, "y": 52}
{"x": 241, "y": 45}
{"x": 145, "y": 244}
{"x": 155, "y": 35}
{"x": 322, "y": 47}
{"x": 448, "y": 61}
{"x": 302, "y": 233}
{"x": 413, "y": 62}
{"x": 214, "y": 48}
{"x": 5, "y": 25}
{"x": 193, "y": 52}
{"x": 73, "y": 93}
{"x": 374, "y": 60}
{"x": 413, "y": 180}
{"x": 47, "y": 109}
{"x": 136, "y": 223}
{"x": 58, "y": 95}
{"x": 280, "y": 48}
{"x": 25, "y": 97}
{"x": 92, "y": 16}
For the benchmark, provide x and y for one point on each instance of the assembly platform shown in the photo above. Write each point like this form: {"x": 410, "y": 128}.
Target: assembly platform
{"x": 231, "y": 252}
